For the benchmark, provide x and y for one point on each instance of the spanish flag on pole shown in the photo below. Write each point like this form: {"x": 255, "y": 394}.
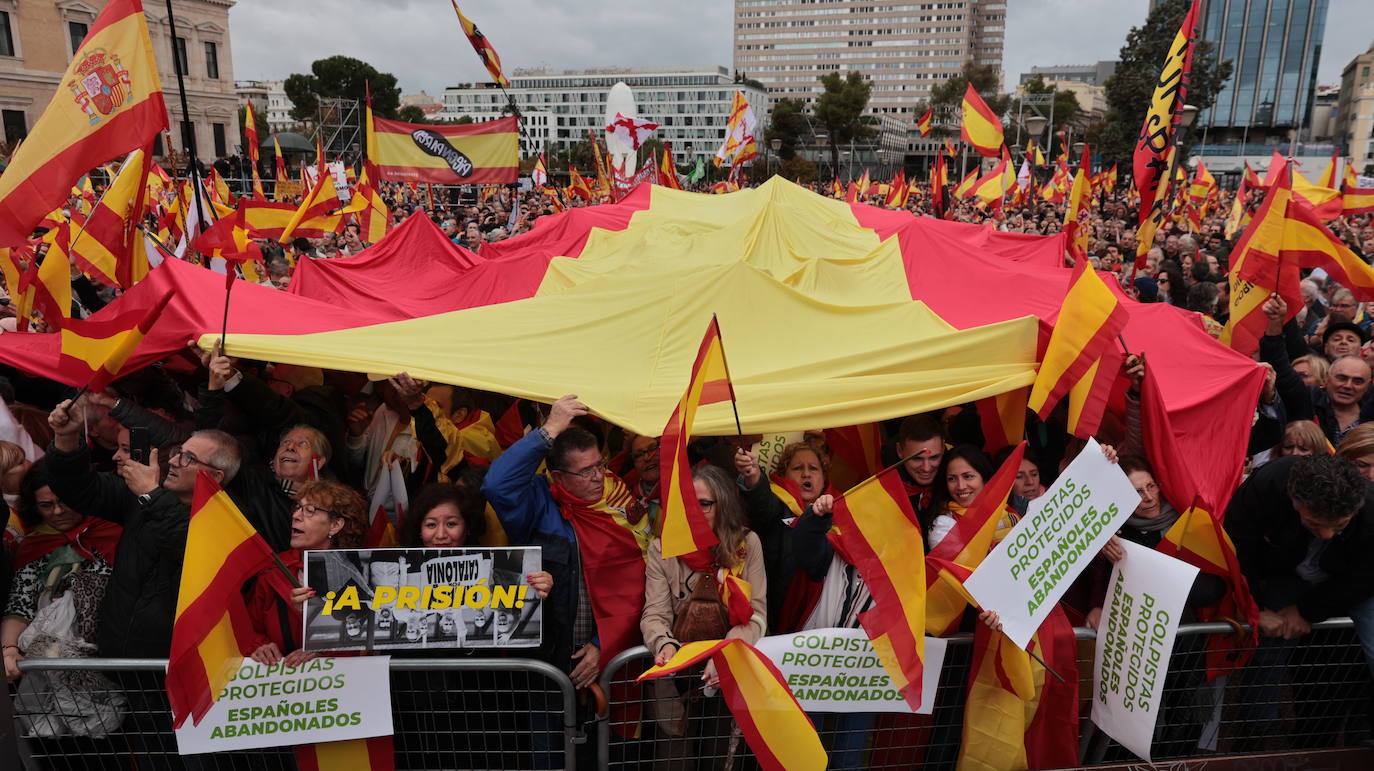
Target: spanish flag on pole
{"x": 1355, "y": 199}
{"x": 667, "y": 170}
{"x": 369, "y": 211}
{"x": 109, "y": 247}
{"x": 108, "y": 103}
{"x": 981, "y": 127}
{"x": 250, "y": 135}
{"x": 1152, "y": 162}
{"x": 773, "y": 723}
{"x": 283, "y": 178}
{"x": 483, "y": 47}
{"x": 212, "y": 627}
{"x": 319, "y": 207}
{"x": 684, "y": 522}
{"x": 1089, "y": 320}
{"x": 926, "y": 121}
{"x": 876, "y": 531}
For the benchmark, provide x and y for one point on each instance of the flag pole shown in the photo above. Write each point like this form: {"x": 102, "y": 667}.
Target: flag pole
{"x": 724, "y": 360}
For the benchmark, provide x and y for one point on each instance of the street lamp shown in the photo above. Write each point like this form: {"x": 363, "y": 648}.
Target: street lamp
{"x": 776, "y": 144}
{"x": 1035, "y": 126}
{"x": 1187, "y": 115}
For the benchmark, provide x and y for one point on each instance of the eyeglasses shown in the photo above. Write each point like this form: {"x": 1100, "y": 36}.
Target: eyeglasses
{"x": 590, "y": 473}
{"x": 705, "y": 504}
{"x": 311, "y": 510}
{"x": 188, "y": 458}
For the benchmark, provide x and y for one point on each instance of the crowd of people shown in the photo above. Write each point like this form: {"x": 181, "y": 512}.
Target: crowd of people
{"x": 98, "y": 526}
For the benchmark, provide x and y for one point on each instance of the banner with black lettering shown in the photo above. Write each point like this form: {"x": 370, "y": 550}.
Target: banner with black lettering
{"x": 1134, "y": 639}
{"x": 389, "y": 599}
{"x": 481, "y": 153}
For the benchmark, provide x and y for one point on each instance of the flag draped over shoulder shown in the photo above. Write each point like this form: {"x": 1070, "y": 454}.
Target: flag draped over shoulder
{"x": 1089, "y": 321}
{"x": 876, "y": 531}
{"x": 93, "y": 352}
{"x": 773, "y": 723}
{"x": 212, "y": 626}
{"x": 108, "y": 103}
{"x": 1152, "y": 163}
{"x": 981, "y": 127}
{"x": 684, "y": 522}
{"x": 483, "y": 47}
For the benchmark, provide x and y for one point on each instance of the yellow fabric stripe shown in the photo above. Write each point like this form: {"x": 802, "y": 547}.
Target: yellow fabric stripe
{"x": 220, "y": 655}
{"x": 780, "y": 721}
{"x": 95, "y": 351}
{"x": 1086, "y": 308}
{"x": 895, "y": 540}
{"x": 216, "y": 530}
{"x": 1195, "y": 532}
{"x": 64, "y": 122}
{"x": 994, "y": 737}
{"x": 677, "y": 534}
{"x": 484, "y": 150}
{"x": 348, "y": 755}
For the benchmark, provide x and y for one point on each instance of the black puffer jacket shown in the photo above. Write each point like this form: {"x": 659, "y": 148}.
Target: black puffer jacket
{"x": 140, "y": 601}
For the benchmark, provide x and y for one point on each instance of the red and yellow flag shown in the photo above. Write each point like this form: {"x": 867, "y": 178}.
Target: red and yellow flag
{"x": 1329, "y": 178}
{"x": 1003, "y": 418}
{"x": 110, "y": 247}
{"x": 53, "y": 288}
{"x": 981, "y": 127}
{"x": 1355, "y": 199}
{"x": 773, "y": 723}
{"x": 962, "y": 550}
{"x": 483, "y": 47}
{"x": 108, "y": 103}
{"x": 283, "y": 184}
{"x": 876, "y": 531}
{"x": 320, "y": 207}
{"x": 667, "y": 170}
{"x": 1089, "y": 321}
{"x": 1079, "y": 209}
{"x": 1152, "y": 162}
{"x": 93, "y": 352}
{"x": 926, "y": 121}
{"x": 370, "y": 212}
{"x": 212, "y": 627}
{"x": 578, "y": 185}
{"x": 250, "y": 136}
{"x": 375, "y": 754}
{"x": 684, "y": 522}
{"x": 482, "y": 153}
{"x": 965, "y": 187}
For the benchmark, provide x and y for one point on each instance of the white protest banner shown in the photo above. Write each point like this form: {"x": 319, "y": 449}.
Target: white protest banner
{"x": 1134, "y": 639}
{"x": 837, "y": 670}
{"x": 1026, "y": 574}
{"x": 769, "y": 449}
{"x": 322, "y": 700}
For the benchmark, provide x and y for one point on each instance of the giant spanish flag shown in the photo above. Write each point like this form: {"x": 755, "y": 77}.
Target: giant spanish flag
{"x": 981, "y": 127}
{"x": 109, "y": 247}
{"x": 212, "y": 627}
{"x": 482, "y": 153}
{"x": 684, "y": 522}
{"x": 773, "y": 723}
{"x": 1152, "y": 162}
{"x": 94, "y": 351}
{"x": 877, "y": 532}
{"x": 1089, "y": 321}
{"x": 108, "y": 102}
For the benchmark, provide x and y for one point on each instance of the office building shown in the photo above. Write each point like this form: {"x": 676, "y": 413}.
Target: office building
{"x": 1353, "y": 120}
{"x": 269, "y": 101}
{"x": 1090, "y": 74}
{"x": 37, "y": 41}
{"x": 559, "y": 107}
{"x": 905, "y": 48}
{"x": 1274, "y": 47}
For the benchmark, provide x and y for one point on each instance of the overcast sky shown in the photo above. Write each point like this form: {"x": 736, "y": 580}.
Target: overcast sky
{"x": 419, "y": 41}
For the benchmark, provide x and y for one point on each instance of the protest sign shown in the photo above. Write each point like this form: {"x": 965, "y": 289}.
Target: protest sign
{"x": 385, "y": 599}
{"x": 769, "y": 449}
{"x": 837, "y": 670}
{"x": 1134, "y": 639}
{"x": 1026, "y": 574}
{"x": 322, "y": 700}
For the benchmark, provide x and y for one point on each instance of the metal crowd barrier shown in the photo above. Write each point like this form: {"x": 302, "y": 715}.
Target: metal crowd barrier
{"x": 1307, "y": 694}
{"x": 447, "y": 713}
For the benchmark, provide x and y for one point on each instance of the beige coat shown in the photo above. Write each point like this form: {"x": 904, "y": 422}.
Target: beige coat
{"x": 669, "y": 583}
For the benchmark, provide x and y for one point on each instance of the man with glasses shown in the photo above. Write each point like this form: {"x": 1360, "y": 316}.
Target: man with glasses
{"x": 140, "y": 602}
{"x": 592, "y": 534}
{"x": 1345, "y": 401}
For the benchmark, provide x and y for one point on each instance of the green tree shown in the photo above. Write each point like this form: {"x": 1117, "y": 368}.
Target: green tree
{"x": 411, "y": 114}
{"x": 1130, "y": 90}
{"x": 341, "y": 77}
{"x": 258, "y": 121}
{"x": 650, "y": 151}
{"x": 463, "y": 120}
{"x": 788, "y": 123}
{"x": 947, "y": 98}
{"x": 743, "y": 79}
{"x": 839, "y": 107}
{"x": 799, "y": 170}
{"x": 1066, "y": 109}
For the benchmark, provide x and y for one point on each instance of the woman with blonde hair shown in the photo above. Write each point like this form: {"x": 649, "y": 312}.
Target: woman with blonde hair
{"x": 1302, "y": 437}
{"x": 1312, "y": 369}
{"x": 1358, "y": 447}
{"x": 14, "y": 464}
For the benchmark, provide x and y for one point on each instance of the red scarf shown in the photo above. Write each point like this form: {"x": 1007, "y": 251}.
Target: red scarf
{"x": 612, "y": 561}
{"x": 790, "y": 493}
{"x": 802, "y": 593}
{"x": 90, "y": 536}
{"x": 921, "y": 493}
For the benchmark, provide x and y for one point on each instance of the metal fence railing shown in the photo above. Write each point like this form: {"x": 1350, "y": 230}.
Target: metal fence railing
{"x": 1306, "y": 694}
{"x": 447, "y": 713}
{"x": 1303, "y": 695}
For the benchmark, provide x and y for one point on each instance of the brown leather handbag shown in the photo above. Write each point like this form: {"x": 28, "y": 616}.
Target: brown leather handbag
{"x": 703, "y": 615}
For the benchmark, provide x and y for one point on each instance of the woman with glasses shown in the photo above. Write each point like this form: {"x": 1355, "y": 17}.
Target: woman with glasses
{"x": 327, "y": 515}
{"x": 65, "y": 551}
{"x": 717, "y": 592}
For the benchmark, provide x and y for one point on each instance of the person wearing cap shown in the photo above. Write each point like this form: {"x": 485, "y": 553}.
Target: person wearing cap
{"x": 1146, "y": 290}
{"x": 1342, "y": 338}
